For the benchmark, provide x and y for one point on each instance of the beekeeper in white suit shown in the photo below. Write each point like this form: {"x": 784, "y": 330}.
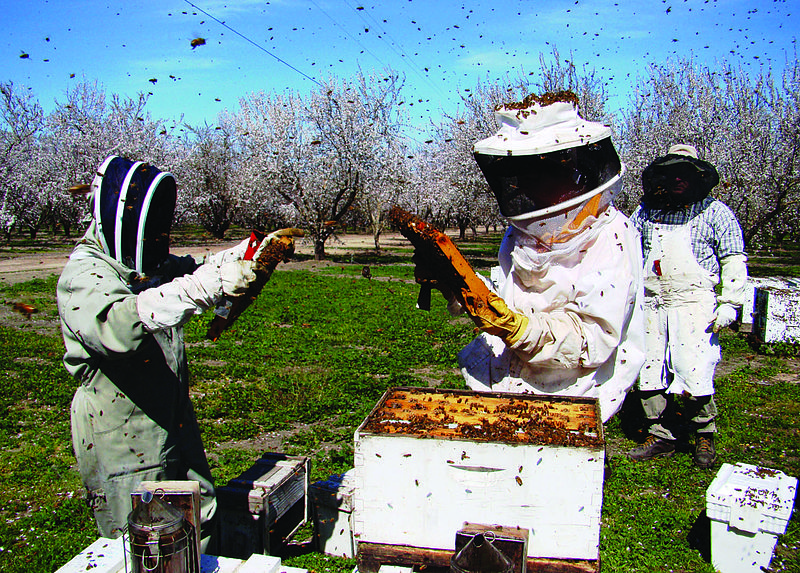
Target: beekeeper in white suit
{"x": 569, "y": 321}
{"x": 691, "y": 242}
{"x": 123, "y": 300}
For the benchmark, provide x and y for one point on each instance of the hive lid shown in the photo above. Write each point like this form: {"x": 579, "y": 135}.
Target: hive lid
{"x": 751, "y": 498}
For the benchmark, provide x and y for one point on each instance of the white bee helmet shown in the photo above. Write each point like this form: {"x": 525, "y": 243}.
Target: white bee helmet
{"x": 551, "y": 171}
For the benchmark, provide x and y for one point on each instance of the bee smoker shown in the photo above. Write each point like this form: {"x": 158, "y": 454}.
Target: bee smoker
{"x": 160, "y": 539}
{"x": 480, "y": 555}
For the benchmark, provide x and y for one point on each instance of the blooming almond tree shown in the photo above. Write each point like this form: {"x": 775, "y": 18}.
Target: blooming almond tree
{"x": 276, "y": 151}
{"x": 21, "y": 125}
{"x": 206, "y": 175}
{"x": 86, "y": 128}
{"x": 277, "y": 158}
{"x": 747, "y": 126}
{"x": 358, "y": 124}
{"x": 320, "y": 154}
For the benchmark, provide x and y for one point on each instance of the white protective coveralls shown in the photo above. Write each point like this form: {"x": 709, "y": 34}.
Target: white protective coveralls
{"x": 132, "y": 419}
{"x": 681, "y": 305}
{"x": 573, "y": 269}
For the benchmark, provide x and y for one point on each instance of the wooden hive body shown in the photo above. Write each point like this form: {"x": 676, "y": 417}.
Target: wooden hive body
{"x": 427, "y": 461}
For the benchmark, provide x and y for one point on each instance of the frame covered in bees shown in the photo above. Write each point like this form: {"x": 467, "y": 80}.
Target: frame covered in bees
{"x": 429, "y": 460}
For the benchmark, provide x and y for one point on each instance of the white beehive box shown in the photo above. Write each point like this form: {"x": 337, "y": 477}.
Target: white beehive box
{"x": 749, "y": 310}
{"x": 749, "y": 507}
{"x": 103, "y": 555}
{"x": 332, "y": 503}
{"x": 426, "y": 461}
{"x": 777, "y": 314}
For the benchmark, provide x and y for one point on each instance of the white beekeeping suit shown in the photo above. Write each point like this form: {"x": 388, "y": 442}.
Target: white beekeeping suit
{"x": 570, "y": 317}
{"x": 123, "y": 300}
{"x": 690, "y": 242}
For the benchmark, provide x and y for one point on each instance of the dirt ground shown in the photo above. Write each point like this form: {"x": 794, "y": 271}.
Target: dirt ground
{"x": 21, "y": 268}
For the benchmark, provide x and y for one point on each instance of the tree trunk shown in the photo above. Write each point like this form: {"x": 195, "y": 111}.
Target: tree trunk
{"x": 319, "y": 249}
{"x": 376, "y": 237}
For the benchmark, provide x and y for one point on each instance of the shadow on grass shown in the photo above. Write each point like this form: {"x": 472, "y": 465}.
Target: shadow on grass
{"x": 631, "y": 418}
{"x": 700, "y": 536}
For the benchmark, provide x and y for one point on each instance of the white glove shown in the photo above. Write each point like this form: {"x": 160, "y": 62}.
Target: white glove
{"x": 733, "y": 278}
{"x": 174, "y": 303}
{"x": 723, "y": 316}
{"x": 236, "y": 276}
{"x": 235, "y": 253}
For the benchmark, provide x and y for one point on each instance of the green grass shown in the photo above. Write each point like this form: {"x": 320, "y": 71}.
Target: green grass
{"x": 301, "y": 355}
{"x": 43, "y": 520}
{"x": 774, "y": 261}
{"x": 309, "y": 359}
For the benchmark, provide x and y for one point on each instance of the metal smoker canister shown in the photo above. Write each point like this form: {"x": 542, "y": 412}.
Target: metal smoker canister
{"x": 160, "y": 539}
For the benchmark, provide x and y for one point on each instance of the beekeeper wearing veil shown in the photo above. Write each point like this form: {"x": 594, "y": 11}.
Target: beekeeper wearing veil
{"x": 123, "y": 300}
{"x": 569, "y": 318}
{"x": 692, "y": 243}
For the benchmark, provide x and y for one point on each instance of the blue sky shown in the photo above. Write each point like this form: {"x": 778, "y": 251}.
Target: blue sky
{"x": 443, "y": 47}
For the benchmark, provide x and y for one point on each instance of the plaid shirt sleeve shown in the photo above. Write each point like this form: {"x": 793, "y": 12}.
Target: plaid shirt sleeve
{"x": 727, "y": 231}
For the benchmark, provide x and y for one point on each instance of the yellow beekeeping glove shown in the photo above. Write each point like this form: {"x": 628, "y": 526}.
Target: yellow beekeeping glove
{"x": 494, "y": 317}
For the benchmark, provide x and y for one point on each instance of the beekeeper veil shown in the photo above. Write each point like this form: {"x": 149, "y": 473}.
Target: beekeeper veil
{"x": 677, "y": 179}
{"x": 133, "y": 204}
{"x": 552, "y": 172}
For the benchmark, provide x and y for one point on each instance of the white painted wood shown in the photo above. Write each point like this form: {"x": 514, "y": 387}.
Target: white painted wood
{"x": 748, "y": 507}
{"x": 333, "y": 506}
{"x": 217, "y": 564}
{"x": 103, "y": 555}
{"x": 749, "y": 310}
{"x": 261, "y": 564}
{"x": 777, "y": 314}
{"x": 420, "y": 491}
{"x": 395, "y": 569}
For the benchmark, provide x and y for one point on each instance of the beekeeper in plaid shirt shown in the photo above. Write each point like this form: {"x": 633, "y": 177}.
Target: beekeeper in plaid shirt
{"x": 691, "y": 242}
